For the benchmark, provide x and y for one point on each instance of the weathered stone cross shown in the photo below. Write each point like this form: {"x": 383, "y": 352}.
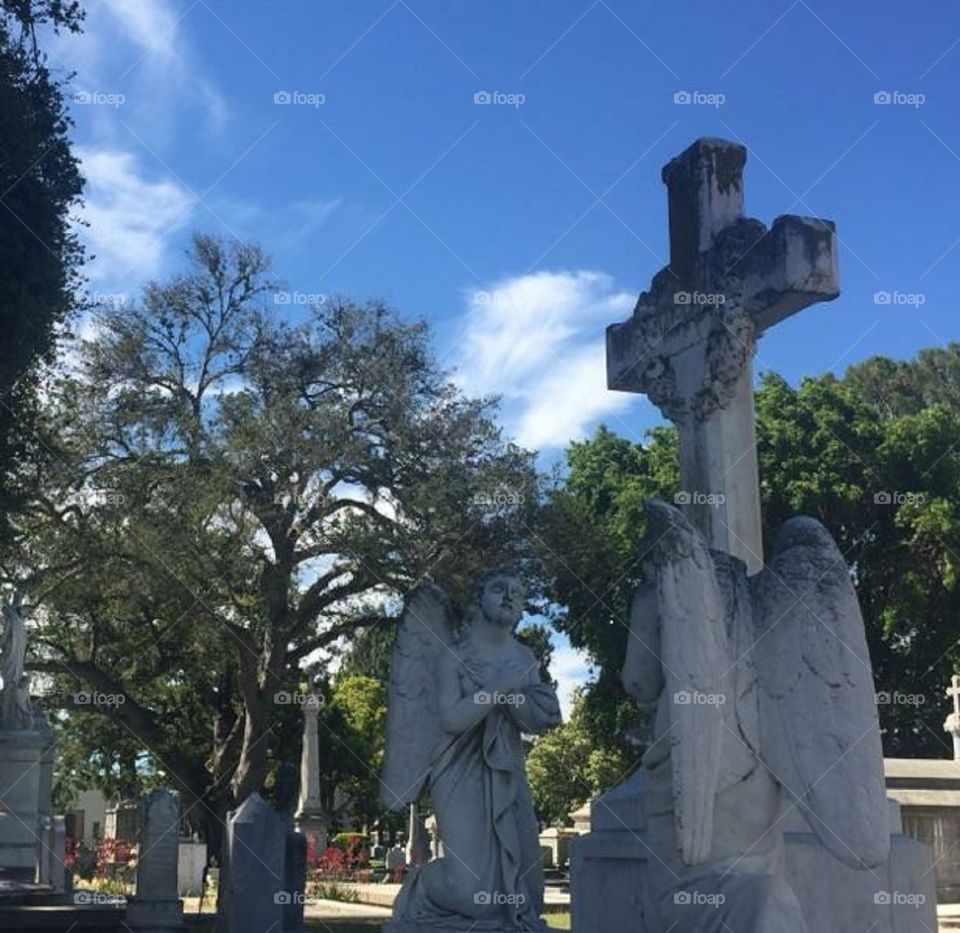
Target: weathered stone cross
{"x": 690, "y": 343}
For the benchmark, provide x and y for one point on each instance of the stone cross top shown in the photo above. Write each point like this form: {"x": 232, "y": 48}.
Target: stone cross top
{"x": 690, "y": 343}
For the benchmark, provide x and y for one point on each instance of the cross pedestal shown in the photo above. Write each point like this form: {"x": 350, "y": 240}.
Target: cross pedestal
{"x": 690, "y": 342}
{"x": 952, "y": 724}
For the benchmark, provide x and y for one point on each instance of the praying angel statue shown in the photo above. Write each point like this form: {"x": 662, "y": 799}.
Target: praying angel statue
{"x": 458, "y": 707}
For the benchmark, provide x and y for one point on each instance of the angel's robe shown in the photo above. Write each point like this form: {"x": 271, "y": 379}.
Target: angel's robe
{"x": 490, "y": 877}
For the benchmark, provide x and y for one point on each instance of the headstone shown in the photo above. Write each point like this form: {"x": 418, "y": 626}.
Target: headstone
{"x": 295, "y": 851}
{"x": 254, "y": 867}
{"x": 191, "y": 861}
{"x": 157, "y": 908}
{"x": 310, "y": 818}
{"x": 395, "y": 859}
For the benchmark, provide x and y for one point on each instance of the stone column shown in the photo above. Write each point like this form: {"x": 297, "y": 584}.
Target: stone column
{"x": 156, "y": 907}
{"x": 310, "y": 818}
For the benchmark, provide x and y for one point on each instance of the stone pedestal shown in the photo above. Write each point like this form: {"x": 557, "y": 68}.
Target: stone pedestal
{"x": 609, "y": 874}
{"x": 310, "y": 819}
{"x": 20, "y": 778}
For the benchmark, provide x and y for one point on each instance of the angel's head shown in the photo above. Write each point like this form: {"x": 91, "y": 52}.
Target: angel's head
{"x": 499, "y": 598}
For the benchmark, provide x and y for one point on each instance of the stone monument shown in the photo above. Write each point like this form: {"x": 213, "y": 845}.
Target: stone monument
{"x": 310, "y": 818}
{"x": 26, "y": 824}
{"x": 760, "y": 803}
{"x": 457, "y": 707}
{"x": 157, "y": 907}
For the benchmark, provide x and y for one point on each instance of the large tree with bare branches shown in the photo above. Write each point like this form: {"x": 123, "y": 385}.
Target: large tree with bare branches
{"x": 224, "y": 492}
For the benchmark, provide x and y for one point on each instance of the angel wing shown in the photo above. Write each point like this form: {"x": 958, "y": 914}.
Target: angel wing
{"x": 820, "y": 734}
{"x": 692, "y": 639}
{"x": 413, "y": 723}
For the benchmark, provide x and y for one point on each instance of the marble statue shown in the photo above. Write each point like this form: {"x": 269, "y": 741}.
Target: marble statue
{"x": 457, "y": 708}
{"x": 764, "y": 704}
{"x": 16, "y": 710}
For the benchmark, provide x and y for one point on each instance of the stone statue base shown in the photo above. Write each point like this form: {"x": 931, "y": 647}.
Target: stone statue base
{"x": 608, "y": 876}
{"x": 20, "y": 753}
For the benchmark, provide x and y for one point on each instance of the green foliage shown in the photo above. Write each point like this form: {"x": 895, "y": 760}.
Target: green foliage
{"x": 40, "y": 255}
{"x": 565, "y": 766}
{"x": 875, "y": 456}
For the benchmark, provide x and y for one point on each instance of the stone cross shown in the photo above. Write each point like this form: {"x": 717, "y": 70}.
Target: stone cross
{"x": 952, "y": 725}
{"x": 690, "y": 343}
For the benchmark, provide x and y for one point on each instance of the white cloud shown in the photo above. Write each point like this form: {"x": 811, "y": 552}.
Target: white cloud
{"x": 130, "y": 217}
{"x": 538, "y": 341}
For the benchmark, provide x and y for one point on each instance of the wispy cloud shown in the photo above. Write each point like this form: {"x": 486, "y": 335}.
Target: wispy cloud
{"x": 130, "y": 217}
{"x": 537, "y": 340}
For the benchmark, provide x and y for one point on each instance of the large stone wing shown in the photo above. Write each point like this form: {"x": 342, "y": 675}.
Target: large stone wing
{"x": 693, "y": 641}
{"x": 820, "y": 735}
{"x": 413, "y": 721}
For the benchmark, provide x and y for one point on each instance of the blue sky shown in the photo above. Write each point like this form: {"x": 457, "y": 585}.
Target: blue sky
{"x": 521, "y": 227}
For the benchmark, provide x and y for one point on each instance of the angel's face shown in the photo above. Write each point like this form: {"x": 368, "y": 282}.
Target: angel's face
{"x": 503, "y": 600}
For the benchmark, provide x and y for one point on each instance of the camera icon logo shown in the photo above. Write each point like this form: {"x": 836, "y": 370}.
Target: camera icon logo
{"x": 483, "y": 698}
{"x": 883, "y": 97}
{"x": 283, "y": 97}
{"x": 682, "y": 698}
{"x": 882, "y": 897}
{"x": 682, "y": 897}
{"x": 282, "y": 698}
{"x": 482, "y": 897}
{"x": 681, "y": 498}
{"x": 682, "y": 97}
{"x": 483, "y": 97}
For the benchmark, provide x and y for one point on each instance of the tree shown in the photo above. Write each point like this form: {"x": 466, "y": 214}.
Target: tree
{"x": 875, "y": 456}
{"x": 232, "y": 494}
{"x": 40, "y": 255}
{"x": 566, "y": 768}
